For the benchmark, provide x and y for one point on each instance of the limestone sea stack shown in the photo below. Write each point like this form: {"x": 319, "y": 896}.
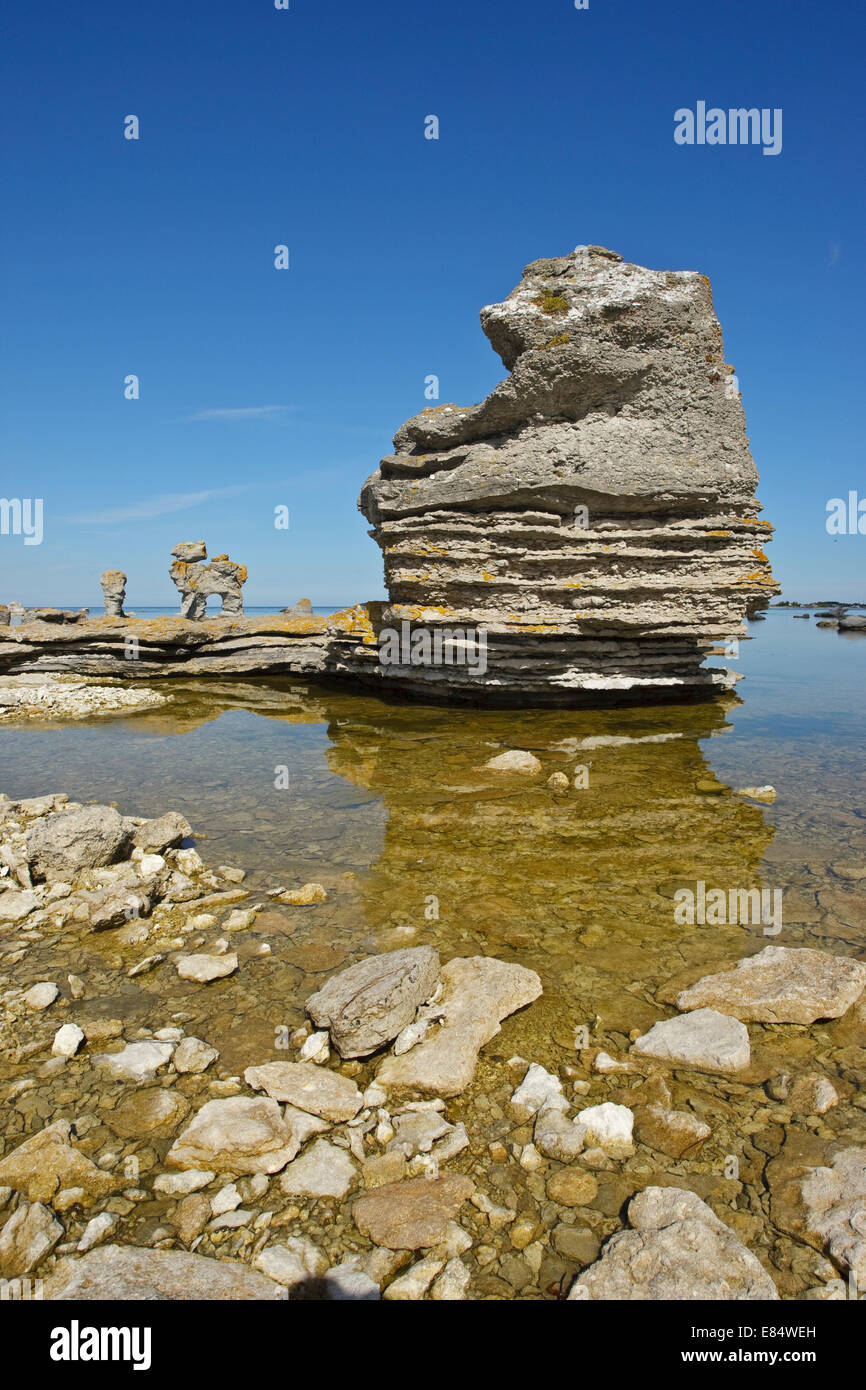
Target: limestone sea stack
{"x": 595, "y": 517}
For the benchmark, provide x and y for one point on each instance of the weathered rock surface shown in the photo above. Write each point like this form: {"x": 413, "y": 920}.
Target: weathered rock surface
{"x": 136, "y": 1061}
{"x": 203, "y": 968}
{"x": 238, "y": 1135}
{"x": 672, "y": 1132}
{"x": 309, "y": 1087}
{"x": 619, "y": 404}
{"x": 705, "y": 1039}
{"x": 48, "y": 1162}
{"x": 131, "y": 1274}
{"x": 367, "y": 1005}
{"x": 322, "y": 1171}
{"x": 479, "y": 992}
{"x": 823, "y": 1204}
{"x": 781, "y": 984}
{"x": 677, "y": 1250}
{"x": 412, "y": 1215}
{"x": 114, "y": 592}
{"x": 68, "y": 841}
{"x": 197, "y": 581}
{"x": 30, "y": 1234}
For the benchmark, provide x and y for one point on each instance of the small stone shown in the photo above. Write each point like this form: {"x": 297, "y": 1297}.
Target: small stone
{"x": 676, "y": 1133}
{"x": 309, "y": 1087}
{"x": 96, "y": 1231}
{"x": 515, "y": 760}
{"x": 181, "y": 1184}
{"x": 67, "y": 1040}
{"x": 193, "y": 1055}
{"x": 41, "y": 996}
{"x": 204, "y": 968}
{"x": 705, "y": 1039}
{"x": 812, "y": 1095}
{"x": 237, "y": 1135}
{"x": 135, "y": 1062}
{"x": 572, "y": 1187}
{"x": 413, "y": 1214}
{"x": 30, "y": 1234}
{"x": 322, "y": 1171}
{"x": 294, "y": 1261}
{"x": 415, "y": 1282}
{"x": 227, "y": 1199}
{"x": 609, "y": 1127}
{"x": 306, "y": 896}
{"x": 315, "y": 1049}
{"x": 453, "y": 1283}
{"x": 231, "y": 875}
{"x": 539, "y": 1089}
{"x": 558, "y": 782}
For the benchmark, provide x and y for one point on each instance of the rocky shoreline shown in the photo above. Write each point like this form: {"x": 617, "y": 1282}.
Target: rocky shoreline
{"x": 388, "y": 1146}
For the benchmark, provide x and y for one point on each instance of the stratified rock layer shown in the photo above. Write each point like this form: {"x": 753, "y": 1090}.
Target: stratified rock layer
{"x": 595, "y": 515}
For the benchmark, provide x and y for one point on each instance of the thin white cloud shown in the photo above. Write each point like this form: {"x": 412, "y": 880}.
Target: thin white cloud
{"x": 151, "y": 507}
{"x": 246, "y": 412}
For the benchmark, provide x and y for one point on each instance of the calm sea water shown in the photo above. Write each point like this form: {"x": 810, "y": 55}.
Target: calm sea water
{"x": 391, "y": 808}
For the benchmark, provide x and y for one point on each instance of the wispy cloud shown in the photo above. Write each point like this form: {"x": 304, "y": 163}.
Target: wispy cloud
{"x": 245, "y": 412}
{"x": 835, "y": 253}
{"x": 150, "y": 507}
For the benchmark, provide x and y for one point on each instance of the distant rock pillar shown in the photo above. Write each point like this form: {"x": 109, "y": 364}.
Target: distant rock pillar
{"x": 195, "y": 581}
{"x": 4, "y": 615}
{"x": 114, "y": 592}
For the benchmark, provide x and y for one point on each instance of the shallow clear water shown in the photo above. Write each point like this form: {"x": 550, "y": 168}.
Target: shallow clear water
{"x": 390, "y": 808}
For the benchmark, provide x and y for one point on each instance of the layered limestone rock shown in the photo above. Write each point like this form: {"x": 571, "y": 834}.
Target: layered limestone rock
{"x": 594, "y": 518}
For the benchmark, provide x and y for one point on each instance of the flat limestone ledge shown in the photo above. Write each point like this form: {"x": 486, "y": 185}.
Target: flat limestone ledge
{"x": 532, "y": 666}
{"x": 278, "y": 643}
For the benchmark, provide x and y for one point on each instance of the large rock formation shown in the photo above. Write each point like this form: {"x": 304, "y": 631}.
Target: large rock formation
{"x": 595, "y": 517}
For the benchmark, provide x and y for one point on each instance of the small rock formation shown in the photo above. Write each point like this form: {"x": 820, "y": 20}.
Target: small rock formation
{"x": 412, "y": 1215}
{"x": 114, "y": 592}
{"x": 677, "y": 1249}
{"x": 781, "y": 984}
{"x": 307, "y": 1087}
{"x": 596, "y": 515}
{"x": 823, "y": 1204}
{"x": 238, "y": 1135}
{"x": 196, "y": 580}
{"x": 5, "y": 615}
{"x": 129, "y": 1273}
{"x": 479, "y": 992}
{"x": 367, "y": 1005}
{"x": 705, "y": 1039}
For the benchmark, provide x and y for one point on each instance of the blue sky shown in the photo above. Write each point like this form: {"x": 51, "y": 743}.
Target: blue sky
{"x": 261, "y": 387}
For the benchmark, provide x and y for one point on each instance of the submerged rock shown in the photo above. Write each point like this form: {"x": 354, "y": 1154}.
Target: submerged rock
{"x": 412, "y": 1215}
{"x": 823, "y": 1204}
{"x": 479, "y": 992}
{"x": 309, "y": 1087}
{"x": 781, "y": 984}
{"x": 128, "y": 1273}
{"x": 322, "y": 1171}
{"x": 678, "y": 1249}
{"x": 237, "y": 1135}
{"x": 705, "y": 1039}
{"x": 367, "y": 1005}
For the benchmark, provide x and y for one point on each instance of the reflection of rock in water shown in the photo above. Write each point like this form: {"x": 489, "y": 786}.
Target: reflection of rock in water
{"x": 578, "y": 885}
